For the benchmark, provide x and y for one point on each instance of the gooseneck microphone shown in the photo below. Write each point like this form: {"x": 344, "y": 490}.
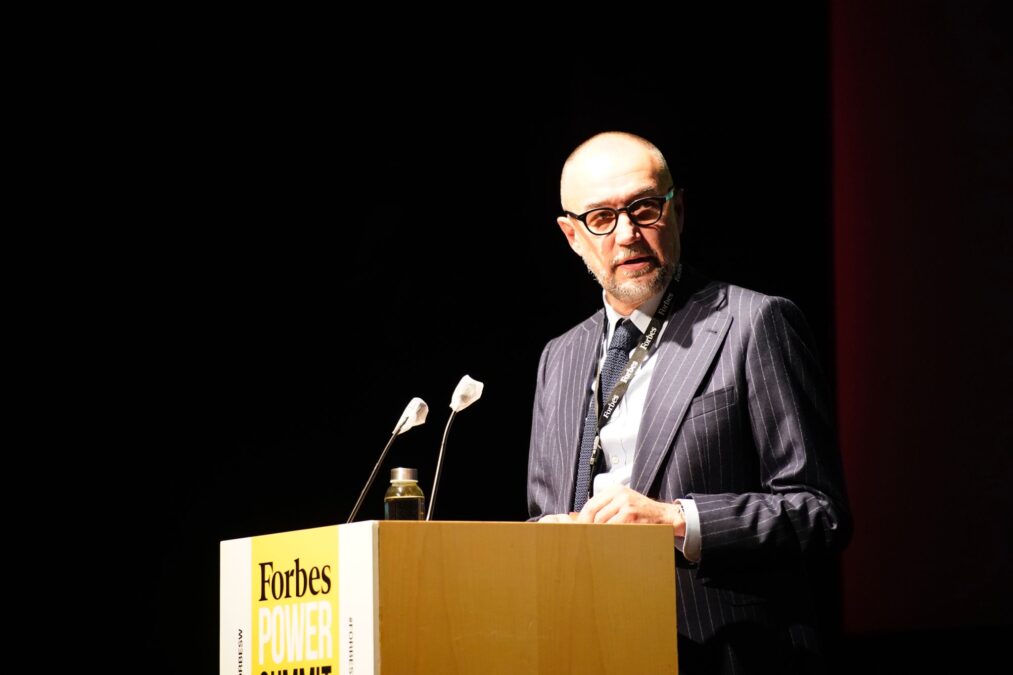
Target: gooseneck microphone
{"x": 414, "y": 414}
{"x": 467, "y": 392}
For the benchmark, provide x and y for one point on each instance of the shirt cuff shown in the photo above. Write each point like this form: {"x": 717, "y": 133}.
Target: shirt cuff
{"x": 689, "y": 545}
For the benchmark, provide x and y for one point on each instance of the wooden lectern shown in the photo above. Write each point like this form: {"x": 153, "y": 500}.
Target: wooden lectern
{"x": 414, "y": 598}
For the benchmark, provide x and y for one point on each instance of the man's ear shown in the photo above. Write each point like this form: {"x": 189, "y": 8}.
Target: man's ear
{"x": 566, "y": 225}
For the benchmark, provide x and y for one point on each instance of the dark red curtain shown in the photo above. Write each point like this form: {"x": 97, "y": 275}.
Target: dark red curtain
{"x": 921, "y": 202}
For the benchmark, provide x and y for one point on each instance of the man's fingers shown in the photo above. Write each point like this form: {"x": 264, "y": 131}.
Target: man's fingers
{"x": 608, "y": 512}
{"x": 588, "y": 514}
{"x": 620, "y": 504}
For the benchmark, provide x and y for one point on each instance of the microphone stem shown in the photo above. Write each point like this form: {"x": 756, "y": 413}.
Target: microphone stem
{"x": 376, "y": 470}
{"x": 439, "y": 466}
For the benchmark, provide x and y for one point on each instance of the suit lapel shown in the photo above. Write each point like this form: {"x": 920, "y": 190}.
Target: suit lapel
{"x": 577, "y": 370}
{"x": 690, "y": 343}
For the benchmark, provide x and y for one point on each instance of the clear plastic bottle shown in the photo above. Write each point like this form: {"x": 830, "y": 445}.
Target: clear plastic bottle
{"x": 404, "y": 499}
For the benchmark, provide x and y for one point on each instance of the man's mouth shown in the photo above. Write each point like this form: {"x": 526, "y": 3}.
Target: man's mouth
{"x": 636, "y": 262}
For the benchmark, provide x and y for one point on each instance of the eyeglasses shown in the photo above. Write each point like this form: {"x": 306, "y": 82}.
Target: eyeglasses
{"x": 643, "y": 212}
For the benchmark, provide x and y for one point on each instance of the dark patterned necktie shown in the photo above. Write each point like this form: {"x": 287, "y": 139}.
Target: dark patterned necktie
{"x": 624, "y": 340}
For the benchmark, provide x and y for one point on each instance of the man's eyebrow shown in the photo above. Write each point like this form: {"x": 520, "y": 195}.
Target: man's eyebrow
{"x": 651, "y": 191}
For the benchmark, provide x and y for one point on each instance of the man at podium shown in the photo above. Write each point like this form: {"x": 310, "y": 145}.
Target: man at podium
{"x": 694, "y": 403}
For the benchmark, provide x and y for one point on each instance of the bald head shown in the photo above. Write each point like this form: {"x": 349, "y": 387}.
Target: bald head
{"x": 602, "y": 157}
{"x": 634, "y": 260}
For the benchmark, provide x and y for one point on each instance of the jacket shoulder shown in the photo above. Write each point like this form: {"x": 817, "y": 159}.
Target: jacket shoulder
{"x": 742, "y": 303}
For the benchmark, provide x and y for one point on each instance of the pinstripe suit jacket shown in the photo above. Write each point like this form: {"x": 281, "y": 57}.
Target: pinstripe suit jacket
{"x": 736, "y": 418}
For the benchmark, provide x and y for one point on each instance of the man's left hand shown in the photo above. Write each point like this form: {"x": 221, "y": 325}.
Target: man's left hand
{"x": 620, "y": 504}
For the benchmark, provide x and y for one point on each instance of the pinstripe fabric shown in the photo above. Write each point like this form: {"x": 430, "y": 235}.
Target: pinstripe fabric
{"x": 737, "y": 417}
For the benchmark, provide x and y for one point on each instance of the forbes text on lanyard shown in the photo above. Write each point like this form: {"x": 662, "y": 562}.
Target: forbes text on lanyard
{"x": 637, "y": 359}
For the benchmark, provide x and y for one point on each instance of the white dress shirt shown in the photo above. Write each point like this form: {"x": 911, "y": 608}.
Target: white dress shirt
{"x": 619, "y": 436}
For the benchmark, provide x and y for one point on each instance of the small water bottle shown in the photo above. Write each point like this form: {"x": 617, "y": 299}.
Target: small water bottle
{"x": 404, "y": 499}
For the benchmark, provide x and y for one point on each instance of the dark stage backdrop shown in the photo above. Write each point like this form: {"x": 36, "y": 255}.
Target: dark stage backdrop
{"x": 923, "y": 205}
{"x": 328, "y": 239}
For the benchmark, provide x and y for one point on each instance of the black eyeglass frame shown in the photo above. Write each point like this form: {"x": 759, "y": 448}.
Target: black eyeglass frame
{"x": 664, "y": 199}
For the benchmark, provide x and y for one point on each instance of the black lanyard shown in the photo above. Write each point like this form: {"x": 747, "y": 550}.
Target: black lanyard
{"x": 637, "y": 358}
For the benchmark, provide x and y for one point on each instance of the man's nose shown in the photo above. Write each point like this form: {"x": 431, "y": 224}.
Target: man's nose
{"x": 626, "y": 230}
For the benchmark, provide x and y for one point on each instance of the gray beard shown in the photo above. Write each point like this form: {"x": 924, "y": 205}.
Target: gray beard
{"x": 638, "y": 289}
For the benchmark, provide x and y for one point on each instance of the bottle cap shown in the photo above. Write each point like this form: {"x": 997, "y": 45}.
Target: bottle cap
{"x": 401, "y": 473}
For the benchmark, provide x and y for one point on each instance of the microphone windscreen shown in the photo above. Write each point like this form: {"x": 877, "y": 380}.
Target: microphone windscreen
{"x": 467, "y": 392}
{"x": 414, "y": 414}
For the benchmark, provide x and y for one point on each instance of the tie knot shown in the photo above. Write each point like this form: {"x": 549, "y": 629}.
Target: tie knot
{"x": 626, "y": 337}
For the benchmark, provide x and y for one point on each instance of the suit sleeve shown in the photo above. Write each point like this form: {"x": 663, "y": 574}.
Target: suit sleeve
{"x": 802, "y": 506}
{"x": 539, "y": 473}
